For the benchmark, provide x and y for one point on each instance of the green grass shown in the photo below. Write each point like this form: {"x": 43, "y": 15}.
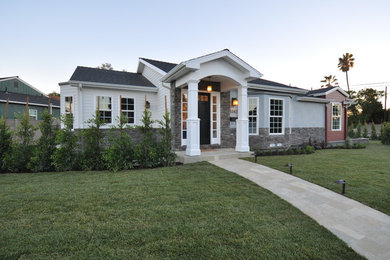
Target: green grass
{"x": 194, "y": 211}
{"x": 367, "y": 171}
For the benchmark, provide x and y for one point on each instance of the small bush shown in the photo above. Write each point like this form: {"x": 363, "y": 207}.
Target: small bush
{"x": 359, "y": 131}
{"x": 385, "y": 136}
{"x": 5, "y": 143}
{"x": 309, "y": 149}
{"x": 351, "y": 132}
{"x": 374, "y": 135}
{"x": 348, "y": 143}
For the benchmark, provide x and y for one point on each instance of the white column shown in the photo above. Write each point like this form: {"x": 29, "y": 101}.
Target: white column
{"x": 242, "y": 136}
{"x": 193, "y": 122}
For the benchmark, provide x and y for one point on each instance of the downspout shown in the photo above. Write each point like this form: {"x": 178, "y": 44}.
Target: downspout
{"x": 326, "y": 124}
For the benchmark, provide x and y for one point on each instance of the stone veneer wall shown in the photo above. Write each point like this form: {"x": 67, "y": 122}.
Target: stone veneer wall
{"x": 228, "y": 135}
{"x": 297, "y": 137}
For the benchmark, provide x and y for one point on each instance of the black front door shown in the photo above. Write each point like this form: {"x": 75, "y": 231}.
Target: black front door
{"x": 204, "y": 116}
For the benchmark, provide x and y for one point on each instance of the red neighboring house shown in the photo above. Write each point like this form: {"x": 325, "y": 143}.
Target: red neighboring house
{"x": 336, "y": 113}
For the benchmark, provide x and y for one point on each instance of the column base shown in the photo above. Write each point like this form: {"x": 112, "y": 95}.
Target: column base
{"x": 193, "y": 137}
{"x": 242, "y": 136}
{"x": 242, "y": 149}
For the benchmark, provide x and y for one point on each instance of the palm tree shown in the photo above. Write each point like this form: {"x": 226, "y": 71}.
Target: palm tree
{"x": 330, "y": 81}
{"x": 345, "y": 63}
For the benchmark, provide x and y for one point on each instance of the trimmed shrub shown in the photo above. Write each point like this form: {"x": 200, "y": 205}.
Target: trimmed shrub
{"x": 351, "y": 132}
{"x": 374, "y": 135}
{"x": 5, "y": 143}
{"x": 45, "y": 148}
{"x": 67, "y": 155}
{"x": 365, "y": 131}
{"x": 309, "y": 149}
{"x": 348, "y": 143}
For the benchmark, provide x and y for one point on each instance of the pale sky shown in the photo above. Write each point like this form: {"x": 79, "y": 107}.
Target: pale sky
{"x": 291, "y": 42}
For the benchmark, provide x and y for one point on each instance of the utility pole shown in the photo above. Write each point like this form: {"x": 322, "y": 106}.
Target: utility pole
{"x": 385, "y": 113}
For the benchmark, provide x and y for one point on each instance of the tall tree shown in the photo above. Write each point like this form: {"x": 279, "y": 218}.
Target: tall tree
{"x": 330, "y": 81}
{"x": 369, "y": 105}
{"x": 345, "y": 63}
{"x": 106, "y": 66}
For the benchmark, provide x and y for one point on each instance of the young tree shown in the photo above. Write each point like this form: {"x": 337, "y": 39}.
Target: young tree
{"x": 165, "y": 146}
{"x": 21, "y": 151}
{"x": 147, "y": 156}
{"x": 359, "y": 130}
{"x": 66, "y": 156}
{"x": 5, "y": 143}
{"x": 374, "y": 135}
{"x": 365, "y": 130}
{"x": 330, "y": 81}
{"x": 45, "y": 148}
{"x": 351, "y": 132}
{"x": 93, "y": 137}
{"x": 345, "y": 64}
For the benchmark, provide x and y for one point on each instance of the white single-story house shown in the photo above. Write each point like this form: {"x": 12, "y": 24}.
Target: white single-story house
{"x": 216, "y": 100}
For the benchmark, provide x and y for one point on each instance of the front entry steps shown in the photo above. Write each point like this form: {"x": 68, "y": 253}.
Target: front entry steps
{"x": 210, "y": 155}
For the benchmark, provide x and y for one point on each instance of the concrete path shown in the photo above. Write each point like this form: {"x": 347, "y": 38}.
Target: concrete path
{"x": 364, "y": 229}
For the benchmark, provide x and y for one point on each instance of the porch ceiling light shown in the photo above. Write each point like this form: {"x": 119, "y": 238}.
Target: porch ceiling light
{"x": 209, "y": 87}
{"x": 234, "y": 101}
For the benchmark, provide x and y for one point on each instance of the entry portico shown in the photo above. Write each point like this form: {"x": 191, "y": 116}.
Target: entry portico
{"x": 230, "y": 72}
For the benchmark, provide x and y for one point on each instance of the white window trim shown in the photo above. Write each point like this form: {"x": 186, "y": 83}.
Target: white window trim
{"x": 65, "y": 105}
{"x": 257, "y": 115}
{"x": 183, "y": 141}
{"x": 112, "y": 110}
{"x": 119, "y": 109}
{"x": 269, "y": 115}
{"x": 341, "y": 117}
{"x": 36, "y": 113}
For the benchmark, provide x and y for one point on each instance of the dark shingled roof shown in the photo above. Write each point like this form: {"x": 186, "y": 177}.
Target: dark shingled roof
{"x": 319, "y": 91}
{"x": 271, "y": 83}
{"x": 31, "y": 99}
{"x": 164, "y": 66}
{"x": 110, "y": 77}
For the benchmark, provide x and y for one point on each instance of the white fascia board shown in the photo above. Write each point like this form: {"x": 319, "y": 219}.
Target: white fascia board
{"x": 227, "y": 55}
{"x": 8, "y": 78}
{"x": 113, "y": 86}
{"x": 313, "y": 99}
{"x": 278, "y": 89}
{"x": 143, "y": 62}
{"x": 24, "y": 103}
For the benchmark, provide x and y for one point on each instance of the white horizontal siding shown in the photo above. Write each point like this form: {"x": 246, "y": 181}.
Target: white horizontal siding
{"x": 68, "y": 91}
{"x": 155, "y": 77}
{"x": 89, "y": 104}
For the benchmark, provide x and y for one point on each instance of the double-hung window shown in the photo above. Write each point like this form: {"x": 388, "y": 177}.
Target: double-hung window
{"x": 127, "y": 109}
{"x": 252, "y": 116}
{"x": 276, "y": 116}
{"x": 104, "y": 106}
{"x": 336, "y": 116}
{"x": 33, "y": 114}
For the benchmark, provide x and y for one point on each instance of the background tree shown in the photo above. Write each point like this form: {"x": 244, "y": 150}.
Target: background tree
{"x": 369, "y": 105}
{"x": 345, "y": 63}
{"x": 106, "y": 66}
{"x": 330, "y": 81}
{"x": 53, "y": 94}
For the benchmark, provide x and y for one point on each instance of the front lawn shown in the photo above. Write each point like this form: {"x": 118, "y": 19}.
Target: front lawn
{"x": 367, "y": 171}
{"x": 194, "y": 211}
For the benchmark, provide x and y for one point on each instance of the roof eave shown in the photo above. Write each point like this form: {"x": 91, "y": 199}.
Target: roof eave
{"x": 279, "y": 89}
{"x": 313, "y": 99}
{"x": 111, "y": 86}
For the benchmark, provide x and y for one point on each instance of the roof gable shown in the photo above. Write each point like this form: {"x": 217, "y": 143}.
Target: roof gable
{"x": 95, "y": 75}
{"x": 162, "y": 65}
{"x": 326, "y": 91}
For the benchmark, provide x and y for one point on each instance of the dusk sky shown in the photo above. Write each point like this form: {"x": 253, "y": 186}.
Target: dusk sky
{"x": 291, "y": 42}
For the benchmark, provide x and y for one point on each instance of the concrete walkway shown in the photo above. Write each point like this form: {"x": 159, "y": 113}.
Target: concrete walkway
{"x": 364, "y": 229}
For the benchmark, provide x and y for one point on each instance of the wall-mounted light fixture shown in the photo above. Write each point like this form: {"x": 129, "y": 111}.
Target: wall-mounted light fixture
{"x": 234, "y": 102}
{"x": 209, "y": 86}
{"x": 147, "y": 104}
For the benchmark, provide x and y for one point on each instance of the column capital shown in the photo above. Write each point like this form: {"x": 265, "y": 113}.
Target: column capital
{"x": 193, "y": 81}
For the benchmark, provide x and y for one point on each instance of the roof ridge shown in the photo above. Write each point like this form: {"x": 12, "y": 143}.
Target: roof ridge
{"x": 158, "y": 60}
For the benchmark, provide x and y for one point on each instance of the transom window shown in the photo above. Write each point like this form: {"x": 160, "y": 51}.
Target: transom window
{"x": 276, "y": 116}
{"x": 252, "y": 116}
{"x": 127, "y": 109}
{"x": 33, "y": 114}
{"x": 336, "y": 116}
{"x": 104, "y": 108}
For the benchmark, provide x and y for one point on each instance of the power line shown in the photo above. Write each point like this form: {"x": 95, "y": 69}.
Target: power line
{"x": 376, "y": 83}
